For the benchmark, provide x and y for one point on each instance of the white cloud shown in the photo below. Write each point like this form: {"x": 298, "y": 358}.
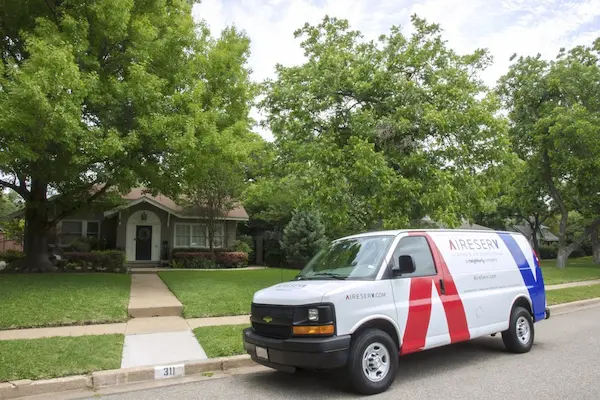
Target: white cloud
{"x": 525, "y": 27}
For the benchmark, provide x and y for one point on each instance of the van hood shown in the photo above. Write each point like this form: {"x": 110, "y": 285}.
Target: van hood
{"x": 301, "y": 292}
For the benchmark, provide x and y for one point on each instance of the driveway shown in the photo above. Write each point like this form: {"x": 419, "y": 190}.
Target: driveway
{"x": 564, "y": 363}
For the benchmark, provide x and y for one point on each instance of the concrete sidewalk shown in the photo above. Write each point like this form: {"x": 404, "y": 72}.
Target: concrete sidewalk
{"x": 573, "y": 284}
{"x": 150, "y": 297}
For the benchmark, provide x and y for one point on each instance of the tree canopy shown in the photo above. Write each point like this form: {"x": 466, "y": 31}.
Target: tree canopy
{"x": 96, "y": 96}
{"x": 554, "y": 112}
{"x": 379, "y": 133}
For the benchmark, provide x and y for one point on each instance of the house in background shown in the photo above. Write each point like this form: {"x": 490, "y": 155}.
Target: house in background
{"x": 544, "y": 236}
{"x": 148, "y": 227}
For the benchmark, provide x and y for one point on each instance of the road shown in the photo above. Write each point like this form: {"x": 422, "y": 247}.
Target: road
{"x": 564, "y": 364}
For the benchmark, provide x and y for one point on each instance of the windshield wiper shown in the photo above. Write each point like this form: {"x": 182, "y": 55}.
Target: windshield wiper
{"x": 331, "y": 275}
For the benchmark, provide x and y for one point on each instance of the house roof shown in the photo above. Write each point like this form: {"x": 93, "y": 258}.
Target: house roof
{"x": 139, "y": 195}
{"x": 546, "y": 234}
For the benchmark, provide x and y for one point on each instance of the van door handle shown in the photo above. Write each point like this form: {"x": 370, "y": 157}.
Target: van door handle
{"x": 442, "y": 287}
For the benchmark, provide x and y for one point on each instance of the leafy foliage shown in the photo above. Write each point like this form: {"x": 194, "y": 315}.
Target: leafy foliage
{"x": 381, "y": 133}
{"x": 96, "y": 97}
{"x": 303, "y": 237}
{"x": 554, "y": 113}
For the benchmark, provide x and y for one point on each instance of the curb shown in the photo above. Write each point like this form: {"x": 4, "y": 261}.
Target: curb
{"x": 565, "y": 308}
{"x": 102, "y": 379}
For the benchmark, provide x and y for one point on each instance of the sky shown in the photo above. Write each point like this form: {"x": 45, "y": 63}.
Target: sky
{"x": 504, "y": 27}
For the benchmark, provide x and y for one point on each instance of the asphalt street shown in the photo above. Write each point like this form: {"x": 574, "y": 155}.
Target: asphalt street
{"x": 564, "y": 364}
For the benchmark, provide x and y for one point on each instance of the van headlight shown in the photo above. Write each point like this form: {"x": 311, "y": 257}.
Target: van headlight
{"x": 314, "y": 320}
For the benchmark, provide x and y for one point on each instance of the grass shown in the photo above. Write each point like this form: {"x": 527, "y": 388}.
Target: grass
{"x": 568, "y": 295}
{"x": 36, "y": 300}
{"x": 58, "y": 356}
{"x": 221, "y": 341}
{"x": 220, "y": 293}
{"x": 578, "y": 269}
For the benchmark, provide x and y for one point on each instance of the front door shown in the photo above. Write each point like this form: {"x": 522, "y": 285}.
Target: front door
{"x": 143, "y": 243}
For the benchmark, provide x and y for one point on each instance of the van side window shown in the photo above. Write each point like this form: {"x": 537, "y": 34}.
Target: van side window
{"x": 418, "y": 248}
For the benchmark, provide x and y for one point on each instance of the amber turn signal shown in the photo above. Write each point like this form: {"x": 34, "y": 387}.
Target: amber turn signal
{"x": 314, "y": 330}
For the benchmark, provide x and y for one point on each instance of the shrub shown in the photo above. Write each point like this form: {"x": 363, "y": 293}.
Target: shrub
{"x": 548, "y": 252}
{"x": 303, "y": 237}
{"x": 203, "y": 259}
{"x": 233, "y": 259}
{"x": 109, "y": 261}
{"x": 11, "y": 255}
{"x": 245, "y": 243}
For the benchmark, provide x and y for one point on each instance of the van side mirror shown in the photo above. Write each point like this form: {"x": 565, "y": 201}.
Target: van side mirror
{"x": 406, "y": 265}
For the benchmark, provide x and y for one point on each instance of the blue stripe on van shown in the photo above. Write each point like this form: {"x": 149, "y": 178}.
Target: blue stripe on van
{"x": 534, "y": 287}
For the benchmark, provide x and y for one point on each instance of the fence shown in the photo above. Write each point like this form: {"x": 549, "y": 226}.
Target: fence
{"x": 6, "y": 244}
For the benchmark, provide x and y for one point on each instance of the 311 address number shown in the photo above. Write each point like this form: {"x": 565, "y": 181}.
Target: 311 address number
{"x": 169, "y": 371}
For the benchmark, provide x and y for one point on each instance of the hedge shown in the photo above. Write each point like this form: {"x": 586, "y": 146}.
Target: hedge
{"x": 204, "y": 259}
{"x": 11, "y": 255}
{"x": 108, "y": 260}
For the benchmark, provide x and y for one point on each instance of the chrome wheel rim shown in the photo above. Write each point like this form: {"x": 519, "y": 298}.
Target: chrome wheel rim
{"x": 376, "y": 362}
{"x": 523, "y": 330}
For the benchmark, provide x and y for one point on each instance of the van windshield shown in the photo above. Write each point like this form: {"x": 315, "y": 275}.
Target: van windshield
{"x": 352, "y": 258}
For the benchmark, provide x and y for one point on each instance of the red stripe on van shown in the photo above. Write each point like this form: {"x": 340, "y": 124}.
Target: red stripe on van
{"x": 419, "y": 311}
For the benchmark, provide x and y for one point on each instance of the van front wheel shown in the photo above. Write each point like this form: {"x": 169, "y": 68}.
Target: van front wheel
{"x": 372, "y": 362}
{"x": 518, "y": 338}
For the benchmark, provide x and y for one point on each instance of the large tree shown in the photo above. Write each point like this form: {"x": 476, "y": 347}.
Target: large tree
{"x": 554, "y": 112}
{"x": 210, "y": 172}
{"x": 379, "y": 133}
{"x": 95, "y": 96}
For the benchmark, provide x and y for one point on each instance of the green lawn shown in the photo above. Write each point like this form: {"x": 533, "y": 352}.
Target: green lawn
{"x": 572, "y": 294}
{"x": 221, "y": 341}
{"x": 35, "y": 300}
{"x": 219, "y": 293}
{"x": 578, "y": 269}
{"x": 58, "y": 356}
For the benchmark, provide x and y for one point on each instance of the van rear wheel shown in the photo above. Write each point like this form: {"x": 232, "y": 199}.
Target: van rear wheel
{"x": 518, "y": 338}
{"x": 372, "y": 362}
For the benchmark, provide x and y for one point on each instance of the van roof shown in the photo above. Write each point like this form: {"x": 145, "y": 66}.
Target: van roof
{"x": 399, "y": 231}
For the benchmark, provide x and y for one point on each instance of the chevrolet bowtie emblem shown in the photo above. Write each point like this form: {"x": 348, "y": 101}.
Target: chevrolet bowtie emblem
{"x": 268, "y": 319}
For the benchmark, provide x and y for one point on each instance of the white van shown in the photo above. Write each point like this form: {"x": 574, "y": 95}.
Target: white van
{"x": 365, "y": 299}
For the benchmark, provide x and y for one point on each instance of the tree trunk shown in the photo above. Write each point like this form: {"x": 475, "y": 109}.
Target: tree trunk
{"x": 36, "y": 233}
{"x": 562, "y": 257}
{"x": 563, "y": 251}
{"x": 36, "y": 239}
{"x": 536, "y": 244}
{"x": 596, "y": 245}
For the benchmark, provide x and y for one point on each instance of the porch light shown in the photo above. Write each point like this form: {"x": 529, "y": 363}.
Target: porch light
{"x": 144, "y": 216}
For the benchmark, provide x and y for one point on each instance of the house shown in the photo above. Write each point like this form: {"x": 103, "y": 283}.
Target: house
{"x": 544, "y": 236}
{"x": 148, "y": 227}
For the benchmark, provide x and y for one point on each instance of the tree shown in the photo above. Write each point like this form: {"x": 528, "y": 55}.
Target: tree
{"x": 596, "y": 245}
{"x": 209, "y": 174}
{"x": 554, "y": 113}
{"x": 303, "y": 237}
{"x": 95, "y": 97}
{"x": 378, "y": 134}
{"x": 9, "y": 202}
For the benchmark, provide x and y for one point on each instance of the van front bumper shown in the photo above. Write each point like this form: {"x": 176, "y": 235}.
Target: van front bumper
{"x": 289, "y": 354}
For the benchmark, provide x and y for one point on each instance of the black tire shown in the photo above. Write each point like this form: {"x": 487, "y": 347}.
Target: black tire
{"x": 363, "y": 340}
{"x": 514, "y": 338}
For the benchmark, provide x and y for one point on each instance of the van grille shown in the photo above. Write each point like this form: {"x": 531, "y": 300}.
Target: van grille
{"x": 272, "y": 321}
